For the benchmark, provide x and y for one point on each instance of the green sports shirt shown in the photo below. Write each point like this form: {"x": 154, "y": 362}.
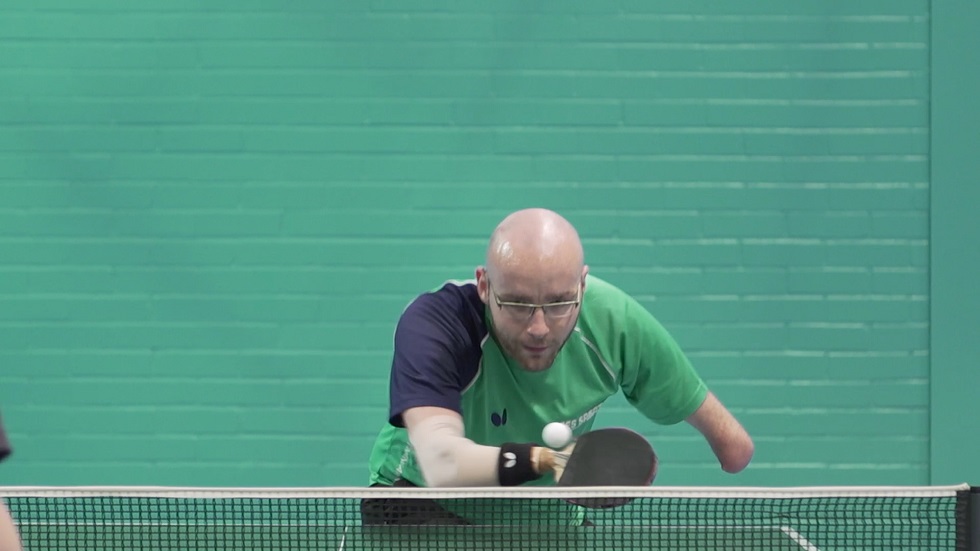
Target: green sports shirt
{"x": 445, "y": 355}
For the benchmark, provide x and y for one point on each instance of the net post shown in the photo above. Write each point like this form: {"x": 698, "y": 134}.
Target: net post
{"x": 973, "y": 519}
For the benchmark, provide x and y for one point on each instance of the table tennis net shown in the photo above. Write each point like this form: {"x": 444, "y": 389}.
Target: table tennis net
{"x": 814, "y": 519}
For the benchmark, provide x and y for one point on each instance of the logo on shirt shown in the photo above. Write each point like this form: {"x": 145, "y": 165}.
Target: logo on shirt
{"x": 499, "y": 419}
{"x": 582, "y": 419}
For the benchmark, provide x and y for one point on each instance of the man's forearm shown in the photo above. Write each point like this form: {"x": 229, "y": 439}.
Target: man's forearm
{"x": 9, "y": 538}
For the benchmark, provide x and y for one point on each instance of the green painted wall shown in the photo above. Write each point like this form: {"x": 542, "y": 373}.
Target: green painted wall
{"x": 955, "y": 250}
{"x": 212, "y": 213}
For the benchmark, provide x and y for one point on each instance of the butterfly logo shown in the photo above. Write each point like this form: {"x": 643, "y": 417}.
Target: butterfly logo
{"x": 499, "y": 419}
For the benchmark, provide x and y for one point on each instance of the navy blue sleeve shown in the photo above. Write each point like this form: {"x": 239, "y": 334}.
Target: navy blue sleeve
{"x": 437, "y": 350}
{"x": 5, "y": 448}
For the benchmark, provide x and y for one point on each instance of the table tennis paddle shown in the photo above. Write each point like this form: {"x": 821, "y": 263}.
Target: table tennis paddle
{"x": 606, "y": 457}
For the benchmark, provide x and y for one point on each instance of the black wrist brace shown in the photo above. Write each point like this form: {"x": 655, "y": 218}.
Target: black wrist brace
{"x": 514, "y": 464}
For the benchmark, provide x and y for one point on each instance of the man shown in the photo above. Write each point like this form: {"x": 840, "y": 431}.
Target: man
{"x": 480, "y": 367}
{"x": 9, "y": 538}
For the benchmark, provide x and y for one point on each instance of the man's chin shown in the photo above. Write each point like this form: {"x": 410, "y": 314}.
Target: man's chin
{"x": 536, "y": 363}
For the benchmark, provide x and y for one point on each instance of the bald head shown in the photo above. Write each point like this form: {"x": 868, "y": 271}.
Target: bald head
{"x": 534, "y": 241}
{"x": 534, "y": 264}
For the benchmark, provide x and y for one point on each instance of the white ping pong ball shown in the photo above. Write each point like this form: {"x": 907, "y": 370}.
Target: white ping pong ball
{"x": 556, "y": 435}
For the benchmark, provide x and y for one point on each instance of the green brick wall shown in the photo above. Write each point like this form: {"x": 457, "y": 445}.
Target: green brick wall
{"x": 212, "y": 213}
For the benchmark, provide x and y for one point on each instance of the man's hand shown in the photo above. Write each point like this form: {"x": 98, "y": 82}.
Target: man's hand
{"x": 546, "y": 460}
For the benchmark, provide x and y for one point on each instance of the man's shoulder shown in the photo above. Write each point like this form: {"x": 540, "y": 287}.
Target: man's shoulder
{"x": 461, "y": 289}
{"x": 608, "y": 311}
{"x": 452, "y": 314}
{"x": 454, "y": 297}
{"x": 600, "y": 294}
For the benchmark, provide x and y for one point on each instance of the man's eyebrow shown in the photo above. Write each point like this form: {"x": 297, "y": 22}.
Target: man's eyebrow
{"x": 554, "y": 297}
{"x": 507, "y": 297}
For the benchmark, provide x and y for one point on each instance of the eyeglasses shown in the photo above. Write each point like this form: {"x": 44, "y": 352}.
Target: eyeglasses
{"x": 523, "y": 311}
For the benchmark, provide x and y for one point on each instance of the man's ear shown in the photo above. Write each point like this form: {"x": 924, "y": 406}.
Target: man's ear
{"x": 482, "y": 284}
